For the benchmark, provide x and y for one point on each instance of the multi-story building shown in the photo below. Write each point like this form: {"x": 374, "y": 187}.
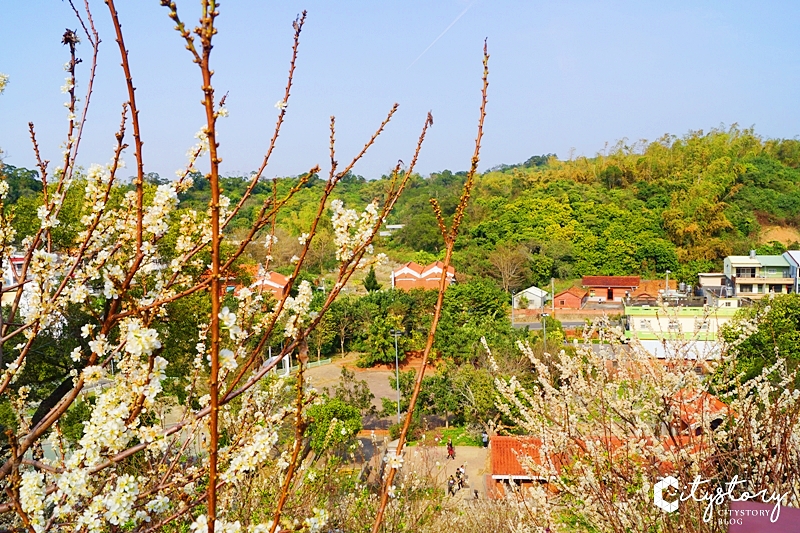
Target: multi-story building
{"x": 684, "y": 331}
{"x": 753, "y": 276}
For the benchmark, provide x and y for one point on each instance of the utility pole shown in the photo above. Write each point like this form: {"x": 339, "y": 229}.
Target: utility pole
{"x": 544, "y": 327}
{"x": 553, "y": 295}
{"x": 666, "y": 283}
{"x": 395, "y": 333}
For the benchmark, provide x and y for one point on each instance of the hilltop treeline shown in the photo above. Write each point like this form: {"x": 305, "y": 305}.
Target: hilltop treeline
{"x": 677, "y": 203}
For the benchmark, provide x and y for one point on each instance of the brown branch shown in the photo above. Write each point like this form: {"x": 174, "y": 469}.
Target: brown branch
{"x": 449, "y": 242}
{"x": 137, "y": 138}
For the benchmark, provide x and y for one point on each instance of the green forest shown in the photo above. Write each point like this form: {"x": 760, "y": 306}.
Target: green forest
{"x": 677, "y": 203}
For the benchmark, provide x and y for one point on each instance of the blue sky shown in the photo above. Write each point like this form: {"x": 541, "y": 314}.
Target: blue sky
{"x": 566, "y": 77}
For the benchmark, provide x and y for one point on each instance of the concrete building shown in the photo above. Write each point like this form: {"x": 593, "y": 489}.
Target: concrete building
{"x": 754, "y": 276}
{"x": 680, "y": 331}
{"x": 531, "y": 298}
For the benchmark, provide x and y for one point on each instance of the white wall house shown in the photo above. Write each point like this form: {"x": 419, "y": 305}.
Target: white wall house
{"x": 755, "y": 276}
{"x": 531, "y": 298}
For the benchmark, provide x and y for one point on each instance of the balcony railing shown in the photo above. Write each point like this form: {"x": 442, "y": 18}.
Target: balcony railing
{"x": 774, "y": 278}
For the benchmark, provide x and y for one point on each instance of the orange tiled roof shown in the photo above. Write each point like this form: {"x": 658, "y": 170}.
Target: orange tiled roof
{"x": 694, "y": 409}
{"x": 507, "y": 451}
{"x": 620, "y": 282}
{"x": 274, "y": 277}
{"x": 420, "y": 270}
{"x": 575, "y": 291}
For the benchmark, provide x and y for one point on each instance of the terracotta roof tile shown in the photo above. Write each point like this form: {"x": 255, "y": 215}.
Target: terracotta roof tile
{"x": 611, "y": 281}
{"x": 575, "y": 291}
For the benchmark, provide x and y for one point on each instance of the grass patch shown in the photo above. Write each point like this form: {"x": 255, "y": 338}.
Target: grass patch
{"x": 438, "y": 437}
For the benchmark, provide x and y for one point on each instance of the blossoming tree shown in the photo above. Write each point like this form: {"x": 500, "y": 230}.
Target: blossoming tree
{"x": 129, "y": 469}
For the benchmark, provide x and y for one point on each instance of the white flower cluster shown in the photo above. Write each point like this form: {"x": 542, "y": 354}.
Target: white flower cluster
{"x": 229, "y": 322}
{"x": 140, "y": 341}
{"x": 156, "y": 218}
{"x": 351, "y": 231}
{"x": 318, "y": 521}
{"x": 251, "y": 455}
{"x": 109, "y": 431}
{"x": 3, "y": 82}
{"x": 296, "y": 309}
{"x": 200, "y": 525}
{"x": 31, "y": 498}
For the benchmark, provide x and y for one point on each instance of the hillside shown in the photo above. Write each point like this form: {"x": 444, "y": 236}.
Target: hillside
{"x": 677, "y": 203}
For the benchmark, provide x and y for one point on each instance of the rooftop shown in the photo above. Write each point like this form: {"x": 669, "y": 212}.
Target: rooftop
{"x": 773, "y": 261}
{"x": 611, "y": 281}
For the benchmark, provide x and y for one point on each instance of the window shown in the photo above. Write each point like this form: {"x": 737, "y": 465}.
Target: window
{"x": 746, "y": 288}
{"x": 644, "y": 324}
{"x": 701, "y": 324}
{"x": 674, "y": 325}
{"x": 727, "y": 304}
{"x": 562, "y": 303}
{"x": 746, "y": 272}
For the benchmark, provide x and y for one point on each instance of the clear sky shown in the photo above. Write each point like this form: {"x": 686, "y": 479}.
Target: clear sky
{"x": 566, "y": 77}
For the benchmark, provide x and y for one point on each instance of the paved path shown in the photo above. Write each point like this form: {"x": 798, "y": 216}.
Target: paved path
{"x": 377, "y": 379}
{"x": 433, "y": 462}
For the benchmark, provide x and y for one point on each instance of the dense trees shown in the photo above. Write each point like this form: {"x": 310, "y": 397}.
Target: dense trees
{"x": 636, "y": 209}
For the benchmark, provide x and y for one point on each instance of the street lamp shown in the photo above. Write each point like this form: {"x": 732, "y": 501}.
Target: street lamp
{"x": 512, "y": 308}
{"x": 396, "y": 333}
{"x": 544, "y": 326}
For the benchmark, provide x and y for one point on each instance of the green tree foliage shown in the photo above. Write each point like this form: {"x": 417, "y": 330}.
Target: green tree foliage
{"x": 371, "y": 281}
{"x": 354, "y": 392}
{"x": 333, "y": 422}
{"x": 777, "y": 334}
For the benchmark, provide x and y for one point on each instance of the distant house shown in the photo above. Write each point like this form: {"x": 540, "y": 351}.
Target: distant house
{"x": 531, "y": 298}
{"x": 711, "y": 279}
{"x": 415, "y": 276}
{"x": 518, "y": 462}
{"x": 390, "y": 230}
{"x": 682, "y": 331}
{"x": 754, "y": 276}
{"x": 572, "y": 298}
{"x": 793, "y": 258}
{"x": 271, "y": 282}
{"x": 610, "y": 288}
{"x": 510, "y": 455}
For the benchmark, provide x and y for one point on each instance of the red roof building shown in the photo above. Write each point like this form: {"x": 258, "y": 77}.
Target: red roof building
{"x": 415, "y": 276}
{"x": 610, "y": 288}
{"x": 518, "y": 461}
{"x": 572, "y": 298}
{"x": 271, "y": 282}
